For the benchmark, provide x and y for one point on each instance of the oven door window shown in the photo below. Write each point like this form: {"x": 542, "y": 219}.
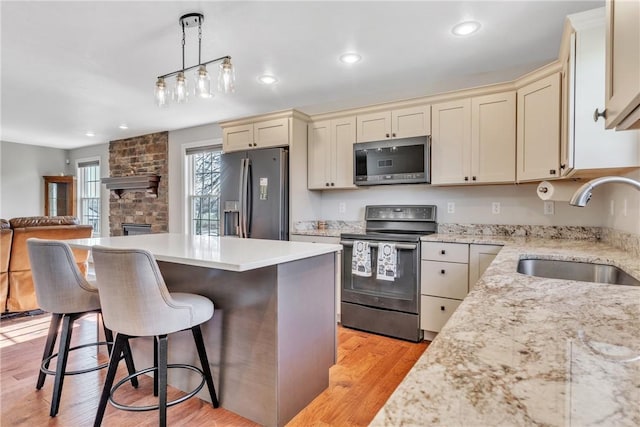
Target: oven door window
{"x": 399, "y": 294}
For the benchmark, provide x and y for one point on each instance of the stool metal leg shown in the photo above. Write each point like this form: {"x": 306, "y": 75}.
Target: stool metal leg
{"x": 128, "y": 355}
{"x": 49, "y": 345}
{"x": 155, "y": 363}
{"x": 63, "y": 356}
{"x": 204, "y": 361}
{"x": 118, "y": 347}
{"x": 162, "y": 378}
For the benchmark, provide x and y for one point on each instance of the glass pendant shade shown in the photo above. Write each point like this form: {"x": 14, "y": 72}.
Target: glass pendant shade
{"x": 203, "y": 83}
{"x": 180, "y": 91}
{"x": 161, "y": 93}
{"x": 227, "y": 77}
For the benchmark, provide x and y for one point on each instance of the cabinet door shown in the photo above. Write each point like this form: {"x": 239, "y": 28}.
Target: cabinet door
{"x": 451, "y": 142}
{"x": 538, "y": 130}
{"x": 480, "y": 256}
{"x": 408, "y": 122}
{"x": 319, "y": 155}
{"x": 237, "y": 138}
{"x": 623, "y": 64}
{"x": 343, "y": 133}
{"x": 435, "y": 312}
{"x": 374, "y": 126}
{"x": 271, "y": 133}
{"x": 493, "y": 138}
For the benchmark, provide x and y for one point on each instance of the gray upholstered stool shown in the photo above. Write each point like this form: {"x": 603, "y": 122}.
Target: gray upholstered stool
{"x": 62, "y": 290}
{"x": 136, "y": 303}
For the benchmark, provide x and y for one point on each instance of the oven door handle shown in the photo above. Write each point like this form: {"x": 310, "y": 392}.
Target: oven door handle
{"x": 375, "y": 245}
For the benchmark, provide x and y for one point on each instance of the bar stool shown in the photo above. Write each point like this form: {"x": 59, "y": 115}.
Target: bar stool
{"x": 136, "y": 303}
{"x": 63, "y": 291}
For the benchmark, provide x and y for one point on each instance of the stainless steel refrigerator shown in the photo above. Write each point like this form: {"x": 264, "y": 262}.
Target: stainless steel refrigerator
{"x": 255, "y": 194}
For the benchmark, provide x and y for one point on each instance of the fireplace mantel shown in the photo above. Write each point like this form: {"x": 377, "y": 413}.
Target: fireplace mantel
{"x": 121, "y": 184}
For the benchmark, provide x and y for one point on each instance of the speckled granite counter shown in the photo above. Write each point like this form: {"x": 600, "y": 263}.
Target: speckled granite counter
{"x": 523, "y": 350}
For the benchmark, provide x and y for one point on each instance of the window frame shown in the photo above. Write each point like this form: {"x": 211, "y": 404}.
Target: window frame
{"x": 80, "y": 188}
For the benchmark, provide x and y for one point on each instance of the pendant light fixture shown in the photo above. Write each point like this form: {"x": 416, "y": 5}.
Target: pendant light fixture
{"x": 202, "y": 80}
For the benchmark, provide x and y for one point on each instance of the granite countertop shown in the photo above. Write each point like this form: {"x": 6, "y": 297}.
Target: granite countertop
{"x": 523, "y": 350}
{"x": 224, "y": 253}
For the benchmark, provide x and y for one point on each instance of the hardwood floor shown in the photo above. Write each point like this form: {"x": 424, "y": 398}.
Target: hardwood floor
{"x": 369, "y": 368}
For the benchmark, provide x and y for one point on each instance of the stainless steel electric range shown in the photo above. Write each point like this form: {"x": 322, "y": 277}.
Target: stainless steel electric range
{"x": 387, "y": 307}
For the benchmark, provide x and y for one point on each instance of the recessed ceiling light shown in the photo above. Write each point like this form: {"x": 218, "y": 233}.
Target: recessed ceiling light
{"x": 123, "y": 126}
{"x": 267, "y": 79}
{"x": 466, "y": 28}
{"x": 350, "y": 58}
{"x": 89, "y": 133}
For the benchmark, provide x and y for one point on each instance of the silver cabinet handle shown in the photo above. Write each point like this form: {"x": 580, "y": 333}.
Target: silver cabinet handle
{"x": 597, "y": 114}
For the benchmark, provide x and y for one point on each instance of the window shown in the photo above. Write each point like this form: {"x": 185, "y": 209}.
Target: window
{"x": 89, "y": 194}
{"x": 204, "y": 190}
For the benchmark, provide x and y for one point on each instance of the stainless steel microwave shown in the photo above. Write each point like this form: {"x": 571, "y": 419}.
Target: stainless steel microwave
{"x": 396, "y": 161}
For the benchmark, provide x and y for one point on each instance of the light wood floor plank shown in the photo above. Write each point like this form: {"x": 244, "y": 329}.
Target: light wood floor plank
{"x": 368, "y": 369}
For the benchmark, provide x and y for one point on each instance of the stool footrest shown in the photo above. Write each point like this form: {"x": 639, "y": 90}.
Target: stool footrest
{"x": 153, "y": 407}
{"x": 45, "y": 362}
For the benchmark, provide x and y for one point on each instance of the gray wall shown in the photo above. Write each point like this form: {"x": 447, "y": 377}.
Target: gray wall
{"x": 21, "y": 170}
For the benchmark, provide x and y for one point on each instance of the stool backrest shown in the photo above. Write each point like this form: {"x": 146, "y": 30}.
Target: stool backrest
{"x": 60, "y": 286}
{"x": 135, "y": 300}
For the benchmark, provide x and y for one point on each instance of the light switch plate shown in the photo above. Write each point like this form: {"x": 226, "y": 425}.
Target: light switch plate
{"x": 451, "y": 207}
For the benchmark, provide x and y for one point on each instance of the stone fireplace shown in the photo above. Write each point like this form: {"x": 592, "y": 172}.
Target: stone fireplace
{"x": 139, "y": 209}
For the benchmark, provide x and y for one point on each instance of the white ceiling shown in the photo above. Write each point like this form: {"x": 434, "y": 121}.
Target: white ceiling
{"x": 69, "y": 67}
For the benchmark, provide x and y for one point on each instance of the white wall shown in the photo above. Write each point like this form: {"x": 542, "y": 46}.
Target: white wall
{"x": 519, "y": 204}
{"x": 21, "y": 170}
{"x": 178, "y": 140}
{"x": 618, "y": 195}
{"x": 100, "y": 151}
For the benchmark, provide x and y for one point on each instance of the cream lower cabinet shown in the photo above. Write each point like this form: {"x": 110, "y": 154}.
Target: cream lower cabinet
{"x": 448, "y": 272}
{"x": 262, "y": 134}
{"x": 444, "y": 282}
{"x": 331, "y": 240}
{"x": 474, "y": 140}
{"x": 538, "y": 130}
{"x": 622, "y": 64}
{"x": 398, "y": 123}
{"x": 480, "y": 256}
{"x": 330, "y": 154}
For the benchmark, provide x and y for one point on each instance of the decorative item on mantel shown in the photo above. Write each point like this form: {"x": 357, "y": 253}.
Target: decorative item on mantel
{"x": 121, "y": 184}
{"x": 226, "y": 77}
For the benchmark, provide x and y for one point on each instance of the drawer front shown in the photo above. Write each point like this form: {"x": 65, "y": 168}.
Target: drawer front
{"x": 444, "y": 279}
{"x": 435, "y": 312}
{"x": 450, "y": 252}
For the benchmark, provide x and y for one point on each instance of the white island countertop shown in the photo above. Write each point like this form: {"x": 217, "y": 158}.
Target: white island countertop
{"x": 224, "y": 253}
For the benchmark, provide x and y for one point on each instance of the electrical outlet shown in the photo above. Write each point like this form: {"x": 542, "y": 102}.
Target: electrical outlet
{"x": 624, "y": 207}
{"x": 451, "y": 207}
{"x": 612, "y": 207}
{"x": 342, "y": 207}
{"x": 549, "y": 208}
{"x": 495, "y": 208}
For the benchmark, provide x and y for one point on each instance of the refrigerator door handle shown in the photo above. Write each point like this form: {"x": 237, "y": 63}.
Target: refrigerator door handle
{"x": 248, "y": 210}
{"x": 244, "y": 197}
{"x": 241, "y": 200}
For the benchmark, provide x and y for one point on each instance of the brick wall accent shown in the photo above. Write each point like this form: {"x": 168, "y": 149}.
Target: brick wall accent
{"x": 142, "y": 155}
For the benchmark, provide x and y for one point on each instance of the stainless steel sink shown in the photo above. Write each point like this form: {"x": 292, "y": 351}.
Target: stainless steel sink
{"x": 573, "y": 270}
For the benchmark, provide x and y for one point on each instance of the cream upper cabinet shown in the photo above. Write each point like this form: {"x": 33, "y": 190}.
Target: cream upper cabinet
{"x": 330, "y": 154}
{"x": 474, "y": 140}
{"x": 399, "y": 123}
{"x": 493, "y": 138}
{"x": 622, "y": 64}
{"x": 587, "y": 145}
{"x": 263, "y": 134}
{"x": 538, "y": 130}
{"x": 451, "y": 142}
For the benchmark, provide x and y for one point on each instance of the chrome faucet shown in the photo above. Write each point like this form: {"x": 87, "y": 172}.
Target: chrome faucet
{"x": 582, "y": 196}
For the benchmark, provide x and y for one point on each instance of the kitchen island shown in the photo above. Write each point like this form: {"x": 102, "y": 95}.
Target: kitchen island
{"x": 523, "y": 350}
{"x": 272, "y": 338}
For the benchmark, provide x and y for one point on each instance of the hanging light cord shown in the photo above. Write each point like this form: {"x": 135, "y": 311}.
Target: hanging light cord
{"x": 199, "y": 42}
{"x": 183, "y": 43}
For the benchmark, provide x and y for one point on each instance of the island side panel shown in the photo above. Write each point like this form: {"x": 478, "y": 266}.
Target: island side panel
{"x": 306, "y": 331}
{"x": 240, "y": 340}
